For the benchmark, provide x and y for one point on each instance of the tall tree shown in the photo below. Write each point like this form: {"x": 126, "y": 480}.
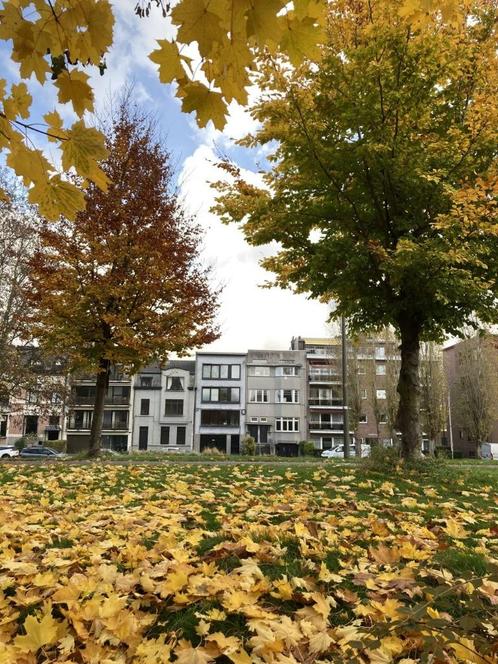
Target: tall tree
{"x": 383, "y": 187}
{"x": 123, "y": 283}
{"x": 475, "y": 392}
{"x": 433, "y": 392}
{"x": 59, "y": 41}
{"x": 18, "y": 240}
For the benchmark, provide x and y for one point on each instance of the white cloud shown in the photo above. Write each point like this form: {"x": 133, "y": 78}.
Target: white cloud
{"x": 250, "y": 317}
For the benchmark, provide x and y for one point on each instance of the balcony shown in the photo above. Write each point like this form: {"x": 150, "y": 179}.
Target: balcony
{"x": 77, "y": 400}
{"x": 324, "y": 378}
{"x": 325, "y": 403}
{"x": 85, "y": 426}
{"x": 332, "y": 427}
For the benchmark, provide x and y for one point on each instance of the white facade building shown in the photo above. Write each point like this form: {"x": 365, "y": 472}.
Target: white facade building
{"x": 164, "y": 408}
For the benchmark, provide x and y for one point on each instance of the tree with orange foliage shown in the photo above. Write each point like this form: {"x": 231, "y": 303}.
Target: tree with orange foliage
{"x": 123, "y": 283}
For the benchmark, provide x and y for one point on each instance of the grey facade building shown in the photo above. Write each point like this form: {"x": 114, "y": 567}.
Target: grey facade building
{"x": 276, "y": 400}
{"x": 163, "y": 409}
{"x": 220, "y": 402}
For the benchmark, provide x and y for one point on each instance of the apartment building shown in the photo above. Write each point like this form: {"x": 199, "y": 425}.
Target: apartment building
{"x": 368, "y": 378}
{"x": 220, "y": 401}
{"x": 118, "y": 408}
{"x": 276, "y": 400}
{"x": 163, "y": 407}
{"x": 38, "y": 412}
{"x": 471, "y": 368}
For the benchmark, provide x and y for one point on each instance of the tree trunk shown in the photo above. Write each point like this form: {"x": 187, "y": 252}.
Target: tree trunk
{"x": 408, "y": 419}
{"x": 98, "y": 408}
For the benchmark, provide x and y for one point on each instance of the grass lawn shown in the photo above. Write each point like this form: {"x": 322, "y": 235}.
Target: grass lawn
{"x": 194, "y": 564}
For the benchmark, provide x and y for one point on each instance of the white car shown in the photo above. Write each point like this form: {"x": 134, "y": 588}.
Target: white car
{"x": 338, "y": 451}
{"x": 7, "y": 452}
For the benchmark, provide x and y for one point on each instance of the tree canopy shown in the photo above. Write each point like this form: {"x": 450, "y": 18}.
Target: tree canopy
{"x": 61, "y": 42}
{"x": 123, "y": 283}
{"x": 382, "y": 193}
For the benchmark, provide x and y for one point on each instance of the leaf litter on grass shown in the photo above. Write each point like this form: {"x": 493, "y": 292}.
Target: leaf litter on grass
{"x": 153, "y": 564}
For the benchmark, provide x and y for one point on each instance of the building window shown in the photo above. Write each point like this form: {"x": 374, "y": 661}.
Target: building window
{"x": 363, "y": 419}
{"x": 380, "y": 369}
{"x": 81, "y": 419}
{"x": 287, "y": 396}
{"x": 174, "y": 384}
{"x": 221, "y": 371}
{"x": 221, "y": 395}
{"x": 173, "y": 407}
{"x": 143, "y": 438}
{"x": 362, "y": 370}
{"x": 258, "y": 371}
{"x": 220, "y": 418}
{"x": 287, "y": 424}
{"x": 380, "y": 394}
{"x": 145, "y": 381}
{"x": 286, "y": 371}
{"x": 364, "y": 394}
{"x": 258, "y": 396}
{"x": 382, "y": 418}
{"x": 144, "y": 406}
{"x": 164, "y": 435}
{"x": 380, "y": 353}
{"x": 180, "y": 435}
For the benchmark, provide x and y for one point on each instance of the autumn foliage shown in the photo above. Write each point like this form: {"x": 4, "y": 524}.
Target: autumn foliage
{"x": 195, "y": 565}
{"x": 123, "y": 283}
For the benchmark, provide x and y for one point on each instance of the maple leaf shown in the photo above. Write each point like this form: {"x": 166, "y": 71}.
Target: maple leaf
{"x": 55, "y": 197}
{"x": 39, "y": 633}
{"x": 209, "y": 105}
{"x": 83, "y": 147}
{"x": 167, "y": 57}
{"x": 74, "y": 87}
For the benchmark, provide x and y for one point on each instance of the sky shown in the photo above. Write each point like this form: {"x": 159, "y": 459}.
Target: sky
{"x": 249, "y": 316}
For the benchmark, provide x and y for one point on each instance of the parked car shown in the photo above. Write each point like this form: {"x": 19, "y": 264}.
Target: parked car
{"x": 38, "y": 451}
{"x": 489, "y": 451}
{"x": 337, "y": 452}
{"x": 7, "y": 452}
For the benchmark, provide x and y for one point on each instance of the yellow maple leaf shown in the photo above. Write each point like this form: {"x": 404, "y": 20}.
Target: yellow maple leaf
{"x": 208, "y": 105}
{"x": 55, "y": 197}
{"x": 168, "y": 58}
{"x": 83, "y": 147}
{"x": 39, "y": 633}
{"x": 455, "y": 529}
{"x": 320, "y": 642}
{"x": 74, "y": 87}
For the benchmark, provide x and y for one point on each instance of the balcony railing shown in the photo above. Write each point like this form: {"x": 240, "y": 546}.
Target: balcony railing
{"x": 89, "y": 401}
{"x": 326, "y": 426}
{"x": 327, "y": 403}
{"x": 324, "y": 378}
{"x": 86, "y": 427}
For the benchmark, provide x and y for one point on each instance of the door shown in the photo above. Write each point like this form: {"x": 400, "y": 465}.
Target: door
{"x": 263, "y": 433}
{"x": 143, "y": 438}
{"x": 252, "y": 430}
{"x": 235, "y": 444}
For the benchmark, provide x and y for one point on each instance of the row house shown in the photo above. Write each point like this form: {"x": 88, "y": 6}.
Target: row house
{"x": 163, "y": 407}
{"x": 220, "y": 401}
{"x": 276, "y": 400}
{"x": 37, "y": 411}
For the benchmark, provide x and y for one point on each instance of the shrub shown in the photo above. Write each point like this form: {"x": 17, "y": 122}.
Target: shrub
{"x": 59, "y": 445}
{"x": 383, "y": 459}
{"x": 307, "y": 448}
{"x": 248, "y": 446}
{"x": 26, "y": 441}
